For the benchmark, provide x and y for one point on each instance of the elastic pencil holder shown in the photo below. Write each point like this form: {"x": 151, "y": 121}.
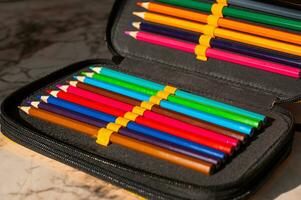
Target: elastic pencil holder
{"x": 200, "y": 52}
{"x": 103, "y": 137}
{"x": 217, "y": 9}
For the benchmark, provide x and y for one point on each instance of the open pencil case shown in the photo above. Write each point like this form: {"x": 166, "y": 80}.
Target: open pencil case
{"x": 247, "y": 88}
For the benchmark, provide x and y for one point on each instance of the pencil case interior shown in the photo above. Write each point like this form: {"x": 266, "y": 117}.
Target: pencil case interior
{"x": 152, "y": 178}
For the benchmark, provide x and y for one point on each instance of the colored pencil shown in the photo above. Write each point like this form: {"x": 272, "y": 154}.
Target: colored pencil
{"x": 267, "y": 8}
{"x": 134, "y": 126}
{"x": 178, "y": 100}
{"x": 217, "y": 54}
{"x": 125, "y": 132}
{"x": 222, "y": 33}
{"x": 118, "y": 139}
{"x": 171, "y": 106}
{"x": 221, "y": 44}
{"x": 150, "y": 84}
{"x": 239, "y": 14}
{"x": 222, "y": 22}
{"x": 197, "y": 138}
{"x": 162, "y": 111}
{"x": 186, "y": 128}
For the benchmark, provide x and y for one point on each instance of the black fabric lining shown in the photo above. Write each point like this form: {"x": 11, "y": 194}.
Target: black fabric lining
{"x": 158, "y": 167}
{"x": 128, "y": 47}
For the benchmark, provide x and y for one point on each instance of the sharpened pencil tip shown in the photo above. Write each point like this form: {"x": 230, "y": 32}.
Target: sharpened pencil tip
{"x": 127, "y": 32}
{"x": 139, "y": 3}
{"x": 96, "y": 69}
{"x": 64, "y": 88}
{"x": 58, "y": 85}
{"x": 35, "y": 104}
{"x": 133, "y": 34}
{"x": 54, "y": 93}
{"x": 48, "y": 91}
{"x": 88, "y": 74}
{"x": 80, "y": 78}
{"x": 44, "y": 98}
{"x": 136, "y": 25}
{"x": 139, "y": 14}
{"x": 73, "y": 83}
{"x": 24, "y": 109}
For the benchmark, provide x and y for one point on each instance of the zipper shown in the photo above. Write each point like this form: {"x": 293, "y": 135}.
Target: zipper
{"x": 79, "y": 159}
{"x": 294, "y": 99}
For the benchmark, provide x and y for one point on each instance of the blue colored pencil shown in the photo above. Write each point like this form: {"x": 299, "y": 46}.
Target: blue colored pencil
{"x": 134, "y": 126}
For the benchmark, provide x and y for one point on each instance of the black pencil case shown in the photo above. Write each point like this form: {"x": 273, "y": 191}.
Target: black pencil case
{"x": 252, "y": 89}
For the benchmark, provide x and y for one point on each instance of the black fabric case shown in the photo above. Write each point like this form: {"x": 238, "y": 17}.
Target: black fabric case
{"x": 152, "y": 178}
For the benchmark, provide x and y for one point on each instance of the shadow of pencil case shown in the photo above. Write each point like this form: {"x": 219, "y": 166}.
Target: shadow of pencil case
{"x": 251, "y": 89}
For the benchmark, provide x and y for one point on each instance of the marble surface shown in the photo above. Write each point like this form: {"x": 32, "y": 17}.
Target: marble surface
{"x": 38, "y": 37}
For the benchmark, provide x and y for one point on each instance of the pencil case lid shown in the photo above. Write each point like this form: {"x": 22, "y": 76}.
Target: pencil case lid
{"x": 236, "y": 80}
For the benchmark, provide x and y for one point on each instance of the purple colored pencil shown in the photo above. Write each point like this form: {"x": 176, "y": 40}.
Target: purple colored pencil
{"x": 126, "y": 132}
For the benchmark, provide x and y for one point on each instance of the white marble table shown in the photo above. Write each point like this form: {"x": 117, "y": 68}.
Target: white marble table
{"x": 38, "y": 37}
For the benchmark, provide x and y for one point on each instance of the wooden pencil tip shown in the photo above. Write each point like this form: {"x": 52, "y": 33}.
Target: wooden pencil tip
{"x": 54, "y": 93}
{"x": 139, "y": 14}
{"x": 64, "y": 88}
{"x": 88, "y": 74}
{"x": 24, "y": 109}
{"x": 44, "y": 98}
{"x": 133, "y": 34}
{"x": 143, "y": 4}
{"x": 80, "y": 78}
{"x": 73, "y": 83}
{"x": 35, "y": 104}
{"x": 96, "y": 69}
{"x": 136, "y": 25}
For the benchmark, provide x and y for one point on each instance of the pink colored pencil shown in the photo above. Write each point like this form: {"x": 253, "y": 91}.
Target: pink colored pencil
{"x": 151, "y": 115}
{"x": 217, "y": 54}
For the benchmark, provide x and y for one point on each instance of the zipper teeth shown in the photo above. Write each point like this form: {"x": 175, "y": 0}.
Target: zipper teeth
{"x": 76, "y": 162}
{"x": 278, "y": 100}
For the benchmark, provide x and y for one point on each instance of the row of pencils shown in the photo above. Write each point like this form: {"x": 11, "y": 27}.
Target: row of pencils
{"x": 162, "y": 121}
{"x": 249, "y": 38}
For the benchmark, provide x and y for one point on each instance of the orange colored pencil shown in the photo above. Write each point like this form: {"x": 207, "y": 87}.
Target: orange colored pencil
{"x": 220, "y": 32}
{"x": 121, "y": 140}
{"x": 222, "y": 22}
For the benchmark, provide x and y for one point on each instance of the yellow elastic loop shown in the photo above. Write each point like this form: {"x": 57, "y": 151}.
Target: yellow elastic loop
{"x": 114, "y": 127}
{"x": 224, "y": 2}
{"x": 131, "y": 116}
{"x": 122, "y": 121}
{"x": 162, "y": 94}
{"x": 212, "y": 20}
{"x": 155, "y": 100}
{"x": 217, "y": 9}
{"x": 200, "y": 51}
{"x": 138, "y": 110}
{"x": 103, "y": 136}
{"x": 205, "y": 40}
{"x": 170, "y": 89}
{"x": 209, "y": 30}
{"x": 147, "y": 105}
